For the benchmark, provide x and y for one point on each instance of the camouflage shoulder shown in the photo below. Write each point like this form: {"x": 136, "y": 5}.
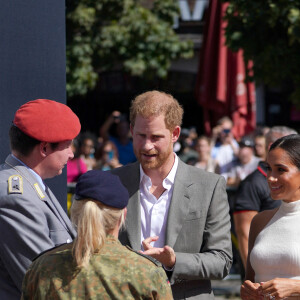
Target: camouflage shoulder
{"x": 153, "y": 260}
{"x": 54, "y": 250}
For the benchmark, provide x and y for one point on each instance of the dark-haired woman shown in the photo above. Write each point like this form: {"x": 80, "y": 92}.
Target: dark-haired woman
{"x": 273, "y": 265}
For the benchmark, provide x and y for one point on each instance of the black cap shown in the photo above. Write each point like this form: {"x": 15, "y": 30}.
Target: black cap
{"x": 102, "y": 186}
{"x": 247, "y": 142}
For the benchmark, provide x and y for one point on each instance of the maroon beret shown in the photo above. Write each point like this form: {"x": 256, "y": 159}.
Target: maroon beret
{"x": 47, "y": 121}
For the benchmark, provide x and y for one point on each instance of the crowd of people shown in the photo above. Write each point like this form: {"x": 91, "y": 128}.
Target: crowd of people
{"x": 221, "y": 153}
{"x": 167, "y": 185}
{"x": 111, "y": 149}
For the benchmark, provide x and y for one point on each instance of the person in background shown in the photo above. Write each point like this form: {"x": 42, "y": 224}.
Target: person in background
{"x": 261, "y": 130}
{"x": 178, "y": 214}
{"x": 96, "y": 265}
{"x": 260, "y": 141}
{"x": 246, "y": 164}
{"x": 273, "y": 264}
{"x": 260, "y": 146}
{"x": 187, "y": 153}
{"x": 87, "y": 146}
{"x": 107, "y": 157}
{"x": 121, "y": 138}
{"x": 253, "y": 195}
{"x": 205, "y": 161}
{"x": 31, "y": 218}
{"x": 75, "y": 166}
{"x": 224, "y": 147}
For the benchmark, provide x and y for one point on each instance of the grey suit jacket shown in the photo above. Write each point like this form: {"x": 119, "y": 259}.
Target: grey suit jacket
{"x": 198, "y": 228}
{"x": 31, "y": 221}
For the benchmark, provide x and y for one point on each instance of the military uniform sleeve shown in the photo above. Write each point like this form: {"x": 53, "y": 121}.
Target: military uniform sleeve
{"x": 150, "y": 279}
{"x": 24, "y": 234}
{"x": 30, "y": 285}
{"x": 161, "y": 286}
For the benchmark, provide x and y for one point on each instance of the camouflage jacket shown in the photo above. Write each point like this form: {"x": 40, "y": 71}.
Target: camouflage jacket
{"x": 115, "y": 272}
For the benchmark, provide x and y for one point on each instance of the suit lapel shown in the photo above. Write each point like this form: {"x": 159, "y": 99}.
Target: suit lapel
{"x": 133, "y": 221}
{"x": 131, "y": 180}
{"x": 179, "y": 206}
{"x": 59, "y": 212}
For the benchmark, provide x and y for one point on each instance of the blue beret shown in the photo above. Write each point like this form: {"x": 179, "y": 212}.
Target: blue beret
{"x": 102, "y": 186}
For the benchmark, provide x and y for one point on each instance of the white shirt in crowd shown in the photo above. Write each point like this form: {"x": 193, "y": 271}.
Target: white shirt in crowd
{"x": 242, "y": 171}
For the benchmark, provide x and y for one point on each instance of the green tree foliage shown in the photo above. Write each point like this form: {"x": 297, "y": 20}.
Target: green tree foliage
{"x": 269, "y": 33}
{"x": 120, "y": 34}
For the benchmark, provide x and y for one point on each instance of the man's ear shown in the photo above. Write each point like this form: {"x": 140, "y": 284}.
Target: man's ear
{"x": 176, "y": 134}
{"x": 131, "y": 129}
{"x": 44, "y": 148}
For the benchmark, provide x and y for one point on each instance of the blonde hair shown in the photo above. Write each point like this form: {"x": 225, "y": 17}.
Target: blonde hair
{"x": 155, "y": 103}
{"x": 93, "y": 221}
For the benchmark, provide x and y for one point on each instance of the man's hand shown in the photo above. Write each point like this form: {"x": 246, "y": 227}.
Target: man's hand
{"x": 165, "y": 255}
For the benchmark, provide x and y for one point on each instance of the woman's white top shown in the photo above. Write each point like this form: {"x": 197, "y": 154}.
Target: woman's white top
{"x": 276, "y": 251}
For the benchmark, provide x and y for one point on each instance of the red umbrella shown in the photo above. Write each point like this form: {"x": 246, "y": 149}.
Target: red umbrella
{"x": 221, "y": 89}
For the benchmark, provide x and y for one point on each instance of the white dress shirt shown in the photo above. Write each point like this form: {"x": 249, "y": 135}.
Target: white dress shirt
{"x": 154, "y": 212}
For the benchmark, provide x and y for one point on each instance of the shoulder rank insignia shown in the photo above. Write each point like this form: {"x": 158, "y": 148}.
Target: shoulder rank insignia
{"x": 39, "y": 191}
{"x": 15, "y": 184}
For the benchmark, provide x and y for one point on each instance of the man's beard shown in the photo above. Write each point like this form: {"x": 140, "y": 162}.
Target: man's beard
{"x": 157, "y": 161}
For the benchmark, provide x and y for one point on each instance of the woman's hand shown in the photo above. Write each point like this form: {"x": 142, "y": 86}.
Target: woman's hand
{"x": 249, "y": 291}
{"x": 279, "y": 288}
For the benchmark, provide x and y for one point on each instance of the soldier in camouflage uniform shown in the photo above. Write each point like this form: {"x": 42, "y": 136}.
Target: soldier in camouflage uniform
{"x": 89, "y": 269}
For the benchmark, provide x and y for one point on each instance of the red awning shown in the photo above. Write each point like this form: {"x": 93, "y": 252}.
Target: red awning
{"x": 221, "y": 89}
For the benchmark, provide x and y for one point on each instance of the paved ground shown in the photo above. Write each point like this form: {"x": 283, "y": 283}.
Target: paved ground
{"x": 229, "y": 288}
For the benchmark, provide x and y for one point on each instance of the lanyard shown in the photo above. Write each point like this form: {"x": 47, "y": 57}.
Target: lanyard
{"x": 261, "y": 171}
